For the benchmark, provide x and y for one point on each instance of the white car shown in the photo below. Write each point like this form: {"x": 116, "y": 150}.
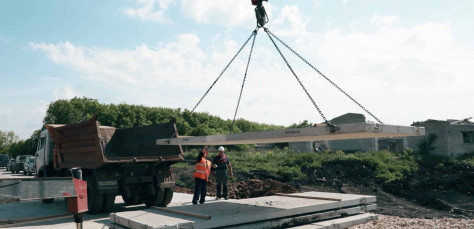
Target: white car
{"x": 29, "y": 166}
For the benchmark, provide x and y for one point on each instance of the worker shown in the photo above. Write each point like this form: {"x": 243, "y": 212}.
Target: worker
{"x": 220, "y": 165}
{"x": 201, "y": 177}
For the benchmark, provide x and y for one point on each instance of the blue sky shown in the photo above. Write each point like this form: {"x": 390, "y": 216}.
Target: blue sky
{"x": 405, "y": 61}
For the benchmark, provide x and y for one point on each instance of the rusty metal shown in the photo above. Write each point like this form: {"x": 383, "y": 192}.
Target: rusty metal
{"x": 90, "y": 146}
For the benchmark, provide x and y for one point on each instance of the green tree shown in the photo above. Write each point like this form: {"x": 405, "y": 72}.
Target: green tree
{"x": 7, "y": 138}
{"x": 126, "y": 116}
{"x": 72, "y": 111}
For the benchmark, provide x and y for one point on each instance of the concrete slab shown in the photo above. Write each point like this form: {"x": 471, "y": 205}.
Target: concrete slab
{"x": 235, "y": 212}
{"x": 305, "y": 219}
{"x": 31, "y": 209}
{"x": 345, "y": 131}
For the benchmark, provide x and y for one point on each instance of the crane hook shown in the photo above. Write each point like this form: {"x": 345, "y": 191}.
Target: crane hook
{"x": 260, "y": 13}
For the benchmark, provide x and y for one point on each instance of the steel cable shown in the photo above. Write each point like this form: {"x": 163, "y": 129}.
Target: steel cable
{"x": 330, "y": 81}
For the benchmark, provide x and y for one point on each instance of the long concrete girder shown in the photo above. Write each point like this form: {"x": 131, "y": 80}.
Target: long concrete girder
{"x": 318, "y": 133}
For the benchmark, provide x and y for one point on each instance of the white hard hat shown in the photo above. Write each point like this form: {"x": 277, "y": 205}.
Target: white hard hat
{"x": 221, "y": 149}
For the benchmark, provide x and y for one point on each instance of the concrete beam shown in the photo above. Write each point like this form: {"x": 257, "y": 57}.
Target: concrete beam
{"x": 318, "y": 133}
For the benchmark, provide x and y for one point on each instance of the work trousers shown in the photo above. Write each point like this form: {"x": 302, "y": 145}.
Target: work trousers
{"x": 200, "y": 190}
{"x": 221, "y": 180}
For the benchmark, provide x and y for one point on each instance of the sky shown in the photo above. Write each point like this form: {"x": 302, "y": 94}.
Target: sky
{"x": 403, "y": 60}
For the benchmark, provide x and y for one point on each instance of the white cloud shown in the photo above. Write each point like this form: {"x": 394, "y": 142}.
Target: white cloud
{"x": 64, "y": 92}
{"x": 421, "y": 70}
{"x": 317, "y": 4}
{"x": 5, "y": 112}
{"x": 161, "y": 71}
{"x": 383, "y": 20}
{"x": 289, "y": 21}
{"x": 400, "y": 74}
{"x": 130, "y": 66}
{"x": 225, "y": 13}
{"x": 148, "y": 11}
{"x": 4, "y": 39}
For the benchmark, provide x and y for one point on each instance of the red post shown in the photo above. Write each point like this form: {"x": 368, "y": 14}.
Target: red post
{"x": 78, "y": 203}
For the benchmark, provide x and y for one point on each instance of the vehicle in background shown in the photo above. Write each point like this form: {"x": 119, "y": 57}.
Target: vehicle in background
{"x": 4, "y": 160}
{"x": 29, "y": 166}
{"x": 10, "y": 163}
{"x": 17, "y": 166}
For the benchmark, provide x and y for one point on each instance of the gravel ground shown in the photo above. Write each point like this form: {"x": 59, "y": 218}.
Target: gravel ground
{"x": 393, "y": 222}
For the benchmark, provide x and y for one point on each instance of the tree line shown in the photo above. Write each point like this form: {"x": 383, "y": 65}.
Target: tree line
{"x": 125, "y": 116}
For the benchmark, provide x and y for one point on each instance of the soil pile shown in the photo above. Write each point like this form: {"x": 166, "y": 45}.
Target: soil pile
{"x": 432, "y": 191}
{"x": 449, "y": 188}
{"x": 257, "y": 188}
{"x": 246, "y": 189}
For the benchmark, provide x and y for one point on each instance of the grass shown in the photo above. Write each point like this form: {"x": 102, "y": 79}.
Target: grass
{"x": 283, "y": 165}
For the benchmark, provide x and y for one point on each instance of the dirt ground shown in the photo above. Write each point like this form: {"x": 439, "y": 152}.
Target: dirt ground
{"x": 247, "y": 189}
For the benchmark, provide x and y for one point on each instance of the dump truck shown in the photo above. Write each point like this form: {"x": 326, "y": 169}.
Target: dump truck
{"x": 113, "y": 161}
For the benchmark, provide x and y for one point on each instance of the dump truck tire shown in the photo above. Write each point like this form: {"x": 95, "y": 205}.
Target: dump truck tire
{"x": 156, "y": 199}
{"x": 95, "y": 200}
{"x": 109, "y": 202}
{"x": 168, "y": 197}
{"x": 47, "y": 200}
{"x": 134, "y": 199}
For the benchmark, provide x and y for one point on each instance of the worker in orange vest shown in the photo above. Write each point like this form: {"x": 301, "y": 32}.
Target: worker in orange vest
{"x": 201, "y": 177}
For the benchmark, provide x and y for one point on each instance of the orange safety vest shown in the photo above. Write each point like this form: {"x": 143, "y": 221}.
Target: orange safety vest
{"x": 203, "y": 169}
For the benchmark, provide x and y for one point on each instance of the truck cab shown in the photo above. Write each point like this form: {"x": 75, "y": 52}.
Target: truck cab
{"x": 44, "y": 153}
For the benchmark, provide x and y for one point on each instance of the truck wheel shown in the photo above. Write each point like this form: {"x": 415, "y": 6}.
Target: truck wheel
{"x": 168, "y": 197}
{"x": 156, "y": 199}
{"x": 109, "y": 201}
{"x": 47, "y": 200}
{"x": 95, "y": 200}
{"x": 134, "y": 199}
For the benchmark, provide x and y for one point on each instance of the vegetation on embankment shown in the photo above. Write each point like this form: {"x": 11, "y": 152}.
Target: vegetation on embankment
{"x": 287, "y": 166}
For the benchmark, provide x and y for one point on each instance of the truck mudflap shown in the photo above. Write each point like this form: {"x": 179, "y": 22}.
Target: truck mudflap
{"x": 167, "y": 185}
{"x": 90, "y": 146}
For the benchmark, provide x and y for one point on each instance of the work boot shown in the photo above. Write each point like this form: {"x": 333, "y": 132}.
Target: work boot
{"x": 226, "y": 198}
{"x": 218, "y": 198}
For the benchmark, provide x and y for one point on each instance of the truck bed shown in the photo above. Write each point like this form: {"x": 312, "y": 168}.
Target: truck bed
{"x": 88, "y": 145}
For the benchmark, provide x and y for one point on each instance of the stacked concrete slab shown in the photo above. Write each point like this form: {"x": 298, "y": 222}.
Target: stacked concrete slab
{"x": 324, "y": 210}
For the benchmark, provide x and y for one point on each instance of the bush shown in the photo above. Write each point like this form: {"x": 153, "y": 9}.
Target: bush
{"x": 290, "y": 173}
